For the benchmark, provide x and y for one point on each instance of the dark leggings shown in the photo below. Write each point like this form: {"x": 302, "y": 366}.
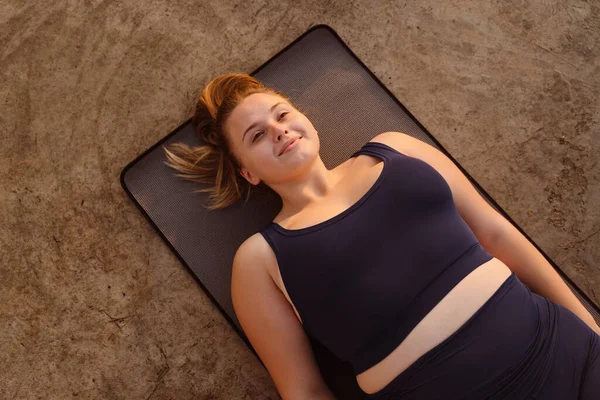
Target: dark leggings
{"x": 517, "y": 346}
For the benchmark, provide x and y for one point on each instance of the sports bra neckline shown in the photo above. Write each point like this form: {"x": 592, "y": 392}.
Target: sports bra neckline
{"x": 347, "y": 211}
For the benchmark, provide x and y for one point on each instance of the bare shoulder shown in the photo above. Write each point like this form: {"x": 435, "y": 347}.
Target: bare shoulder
{"x": 402, "y": 142}
{"x": 416, "y": 148}
{"x": 253, "y": 251}
{"x": 269, "y": 322}
{"x": 255, "y": 242}
{"x": 486, "y": 223}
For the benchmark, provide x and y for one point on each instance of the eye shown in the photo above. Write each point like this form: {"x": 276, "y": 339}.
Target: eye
{"x": 255, "y": 136}
{"x": 254, "y": 139}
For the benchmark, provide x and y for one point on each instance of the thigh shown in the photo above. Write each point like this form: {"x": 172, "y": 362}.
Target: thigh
{"x": 590, "y": 387}
{"x": 574, "y": 372}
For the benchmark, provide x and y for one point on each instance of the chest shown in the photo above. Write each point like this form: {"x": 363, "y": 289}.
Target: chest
{"x": 357, "y": 178}
{"x": 355, "y": 243}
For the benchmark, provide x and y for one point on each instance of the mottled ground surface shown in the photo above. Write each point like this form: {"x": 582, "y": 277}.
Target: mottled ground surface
{"x": 95, "y": 306}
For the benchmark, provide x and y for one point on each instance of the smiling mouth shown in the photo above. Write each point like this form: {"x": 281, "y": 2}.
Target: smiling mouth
{"x": 290, "y": 143}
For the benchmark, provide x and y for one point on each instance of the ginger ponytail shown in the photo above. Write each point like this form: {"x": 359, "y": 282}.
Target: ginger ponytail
{"x": 214, "y": 163}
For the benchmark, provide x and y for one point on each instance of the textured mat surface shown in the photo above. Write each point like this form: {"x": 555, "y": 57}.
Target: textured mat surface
{"x": 346, "y": 103}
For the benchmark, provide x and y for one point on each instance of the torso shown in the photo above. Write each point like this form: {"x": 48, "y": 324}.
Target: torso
{"x": 441, "y": 322}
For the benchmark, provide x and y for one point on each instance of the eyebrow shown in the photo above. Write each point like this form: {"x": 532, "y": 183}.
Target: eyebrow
{"x": 256, "y": 123}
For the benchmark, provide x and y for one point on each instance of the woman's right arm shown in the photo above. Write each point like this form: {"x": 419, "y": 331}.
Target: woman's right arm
{"x": 269, "y": 322}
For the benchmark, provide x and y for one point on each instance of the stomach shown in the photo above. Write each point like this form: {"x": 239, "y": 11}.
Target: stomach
{"x": 460, "y": 304}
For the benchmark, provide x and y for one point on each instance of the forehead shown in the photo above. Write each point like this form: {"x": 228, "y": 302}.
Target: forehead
{"x": 258, "y": 102}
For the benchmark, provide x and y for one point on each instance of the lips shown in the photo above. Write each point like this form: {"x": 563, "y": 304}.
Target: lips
{"x": 289, "y": 142}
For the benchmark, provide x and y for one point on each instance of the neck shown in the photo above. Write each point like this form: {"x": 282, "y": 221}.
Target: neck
{"x": 308, "y": 187}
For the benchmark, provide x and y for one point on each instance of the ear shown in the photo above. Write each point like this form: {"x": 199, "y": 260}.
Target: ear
{"x": 253, "y": 179}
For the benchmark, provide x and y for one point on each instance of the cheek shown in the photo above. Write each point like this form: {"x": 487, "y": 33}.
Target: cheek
{"x": 262, "y": 156}
{"x": 306, "y": 121}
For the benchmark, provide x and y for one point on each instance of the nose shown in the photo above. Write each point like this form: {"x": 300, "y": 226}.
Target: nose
{"x": 279, "y": 131}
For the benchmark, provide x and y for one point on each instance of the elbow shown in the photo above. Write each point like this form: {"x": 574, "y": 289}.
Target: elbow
{"x": 497, "y": 237}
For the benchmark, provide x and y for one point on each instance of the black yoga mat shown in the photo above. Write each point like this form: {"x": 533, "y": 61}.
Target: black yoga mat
{"x": 347, "y": 104}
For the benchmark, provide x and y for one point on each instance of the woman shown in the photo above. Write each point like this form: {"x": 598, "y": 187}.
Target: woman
{"x": 391, "y": 260}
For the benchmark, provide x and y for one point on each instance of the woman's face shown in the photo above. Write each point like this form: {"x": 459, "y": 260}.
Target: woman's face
{"x": 259, "y": 127}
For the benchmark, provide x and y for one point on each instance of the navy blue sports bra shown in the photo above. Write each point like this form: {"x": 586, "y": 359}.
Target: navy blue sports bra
{"x": 362, "y": 280}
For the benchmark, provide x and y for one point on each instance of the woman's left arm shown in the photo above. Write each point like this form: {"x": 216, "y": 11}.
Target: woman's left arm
{"x": 495, "y": 233}
{"x": 532, "y": 268}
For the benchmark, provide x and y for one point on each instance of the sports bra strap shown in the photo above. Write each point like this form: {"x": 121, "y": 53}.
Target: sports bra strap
{"x": 378, "y": 150}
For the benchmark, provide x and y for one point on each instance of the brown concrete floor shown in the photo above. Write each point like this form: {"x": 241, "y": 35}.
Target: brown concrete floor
{"x": 95, "y": 306}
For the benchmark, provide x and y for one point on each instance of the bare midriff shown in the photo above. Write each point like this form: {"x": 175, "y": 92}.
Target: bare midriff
{"x": 461, "y": 303}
